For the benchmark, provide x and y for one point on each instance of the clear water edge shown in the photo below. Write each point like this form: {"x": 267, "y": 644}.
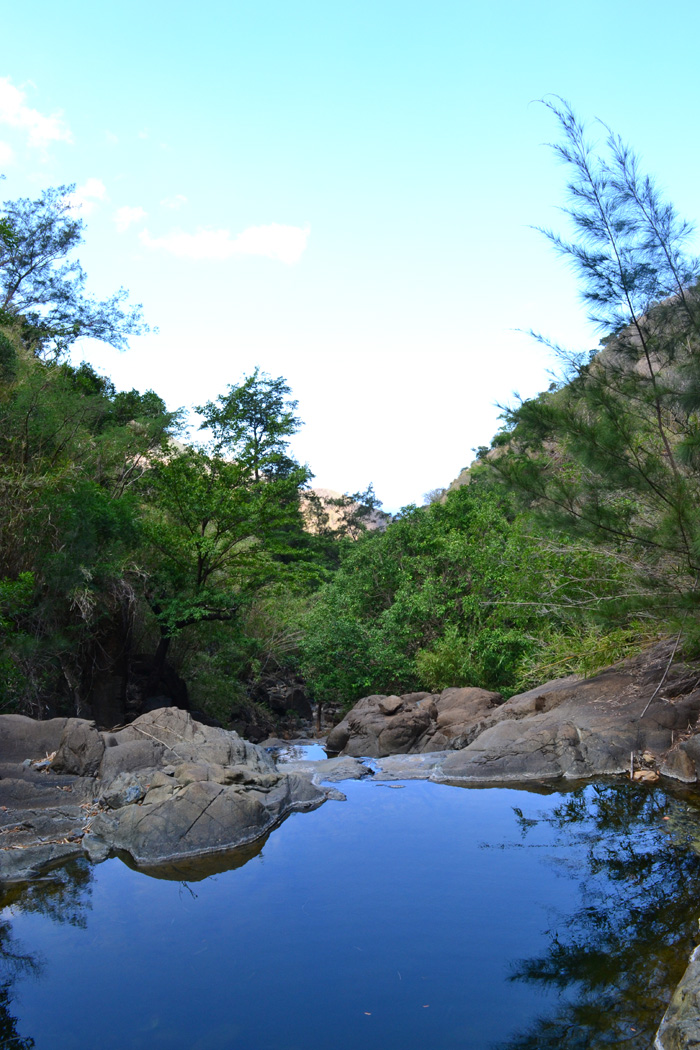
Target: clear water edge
{"x": 427, "y": 916}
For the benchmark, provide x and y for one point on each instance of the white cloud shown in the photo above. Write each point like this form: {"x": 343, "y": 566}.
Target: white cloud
{"x": 7, "y": 154}
{"x": 275, "y": 241}
{"x": 285, "y": 243}
{"x": 85, "y": 197}
{"x": 126, "y": 217}
{"x": 15, "y": 112}
{"x": 177, "y": 201}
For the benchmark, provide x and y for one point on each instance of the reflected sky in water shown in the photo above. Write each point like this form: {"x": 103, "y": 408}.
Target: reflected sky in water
{"x": 416, "y": 916}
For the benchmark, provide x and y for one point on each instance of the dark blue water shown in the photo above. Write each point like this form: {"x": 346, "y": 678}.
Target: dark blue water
{"x": 422, "y": 916}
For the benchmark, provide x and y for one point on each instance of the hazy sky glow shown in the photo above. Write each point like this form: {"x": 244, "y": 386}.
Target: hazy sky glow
{"x": 340, "y": 193}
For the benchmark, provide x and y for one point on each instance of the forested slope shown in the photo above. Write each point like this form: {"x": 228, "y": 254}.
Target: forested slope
{"x": 138, "y": 568}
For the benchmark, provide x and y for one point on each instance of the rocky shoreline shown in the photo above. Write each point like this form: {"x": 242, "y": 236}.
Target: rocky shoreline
{"x": 167, "y": 789}
{"x": 161, "y": 789}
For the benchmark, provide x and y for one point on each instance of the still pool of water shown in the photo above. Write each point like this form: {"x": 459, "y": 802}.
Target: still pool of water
{"x": 411, "y": 916}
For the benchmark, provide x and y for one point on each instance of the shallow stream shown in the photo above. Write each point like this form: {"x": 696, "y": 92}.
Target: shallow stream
{"x": 411, "y": 916}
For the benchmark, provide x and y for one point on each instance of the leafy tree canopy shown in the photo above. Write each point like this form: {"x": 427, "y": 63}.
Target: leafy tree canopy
{"x": 457, "y": 593}
{"x": 42, "y": 285}
{"x": 252, "y": 423}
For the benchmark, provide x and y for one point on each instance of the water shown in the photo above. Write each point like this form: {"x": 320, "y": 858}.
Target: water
{"x": 416, "y": 916}
{"x": 299, "y": 752}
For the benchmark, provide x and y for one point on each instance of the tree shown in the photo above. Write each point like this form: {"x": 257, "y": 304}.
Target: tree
{"x": 252, "y": 423}
{"x": 222, "y": 521}
{"x": 456, "y": 593}
{"x": 72, "y": 451}
{"x": 204, "y": 527}
{"x": 42, "y": 287}
{"x": 613, "y": 451}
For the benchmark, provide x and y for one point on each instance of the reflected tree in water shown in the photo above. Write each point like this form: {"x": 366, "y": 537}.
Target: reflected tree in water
{"x": 617, "y": 959}
{"x": 63, "y": 898}
{"x": 14, "y": 963}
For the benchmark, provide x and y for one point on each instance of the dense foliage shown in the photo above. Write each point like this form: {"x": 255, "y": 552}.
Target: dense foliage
{"x": 575, "y": 540}
{"x": 463, "y": 592}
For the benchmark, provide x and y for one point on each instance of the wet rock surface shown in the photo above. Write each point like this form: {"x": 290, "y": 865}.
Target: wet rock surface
{"x": 163, "y": 788}
{"x": 329, "y": 770}
{"x": 680, "y": 1026}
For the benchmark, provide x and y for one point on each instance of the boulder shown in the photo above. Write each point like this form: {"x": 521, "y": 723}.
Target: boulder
{"x": 22, "y": 737}
{"x": 177, "y": 738}
{"x": 581, "y": 728}
{"x": 415, "y": 722}
{"x": 162, "y": 789}
{"x": 680, "y": 1025}
{"x": 185, "y": 818}
{"x": 460, "y": 714}
{"x": 172, "y": 788}
{"x": 640, "y": 712}
{"x": 80, "y": 748}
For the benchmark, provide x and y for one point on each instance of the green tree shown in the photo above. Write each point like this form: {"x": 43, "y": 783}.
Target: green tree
{"x": 225, "y": 521}
{"x": 71, "y": 452}
{"x": 252, "y": 423}
{"x": 457, "y": 593}
{"x": 613, "y": 451}
{"x": 42, "y": 286}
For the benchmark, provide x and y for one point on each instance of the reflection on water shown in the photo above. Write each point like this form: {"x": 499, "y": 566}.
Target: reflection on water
{"x": 621, "y": 950}
{"x": 194, "y": 869}
{"x": 61, "y": 897}
{"x": 408, "y": 919}
{"x": 14, "y": 961}
{"x": 299, "y": 752}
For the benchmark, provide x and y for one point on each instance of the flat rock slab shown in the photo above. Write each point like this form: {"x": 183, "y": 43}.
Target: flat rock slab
{"x": 426, "y": 766}
{"x": 329, "y": 770}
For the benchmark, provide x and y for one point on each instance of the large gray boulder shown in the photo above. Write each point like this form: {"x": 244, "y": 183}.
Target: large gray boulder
{"x": 187, "y": 818}
{"x": 25, "y": 738}
{"x": 416, "y": 722}
{"x": 174, "y": 736}
{"x": 164, "y": 788}
{"x": 581, "y": 728}
{"x": 170, "y": 788}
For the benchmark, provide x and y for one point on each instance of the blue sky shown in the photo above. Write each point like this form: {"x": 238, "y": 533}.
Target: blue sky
{"x": 340, "y": 193}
